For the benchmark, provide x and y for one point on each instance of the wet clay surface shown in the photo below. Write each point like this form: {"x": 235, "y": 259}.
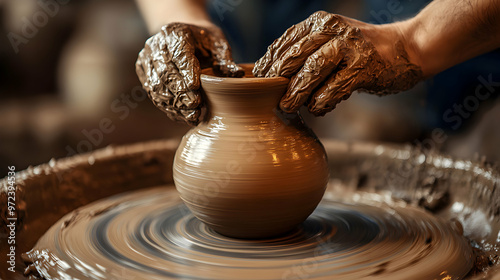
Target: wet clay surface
{"x": 169, "y": 65}
{"x": 47, "y": 192}
{"x": 398, "y": 176}
{"x": 150, "y": 234}
{"x": 250, "y": 170}
{"x": 328, "y": 57}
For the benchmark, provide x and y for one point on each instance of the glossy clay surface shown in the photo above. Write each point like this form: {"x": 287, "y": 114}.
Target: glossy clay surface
{"x": 250, "y": 171}
{"x": 150, "y": 234}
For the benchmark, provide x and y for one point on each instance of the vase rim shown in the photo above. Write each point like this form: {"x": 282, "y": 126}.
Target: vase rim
{"x": 208, "y": 77}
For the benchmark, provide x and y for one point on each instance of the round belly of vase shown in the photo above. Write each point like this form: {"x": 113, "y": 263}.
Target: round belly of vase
{"x": 250, "y": 184}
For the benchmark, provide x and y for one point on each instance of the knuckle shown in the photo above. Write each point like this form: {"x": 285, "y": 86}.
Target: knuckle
{"x": 314, "y": 63}
{"x": 176, "y": 86}
{"x": 311, "y": 60}
{"x": 154, "y": 40}
{"x": 178, "y": 28}
{"x": 171, "y": 27}
{"x": 150, "y": 40}
{"x": 166, "y": 28}
{"x": 319, "y": 14}
{"x": 325, "y": 22}
{"x": 290, "y": 30}
{"x": 335, "y": 18}
{"x": 355, "y": 32}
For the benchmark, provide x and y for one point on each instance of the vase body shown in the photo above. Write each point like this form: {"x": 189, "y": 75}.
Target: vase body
{"x": 250, "y": 170}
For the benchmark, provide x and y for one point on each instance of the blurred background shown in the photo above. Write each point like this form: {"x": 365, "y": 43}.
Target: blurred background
{"x": 68, "y": 82}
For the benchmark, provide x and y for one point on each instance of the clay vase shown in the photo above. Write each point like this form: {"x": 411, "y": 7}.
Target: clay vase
{"x": 250, "y": 170}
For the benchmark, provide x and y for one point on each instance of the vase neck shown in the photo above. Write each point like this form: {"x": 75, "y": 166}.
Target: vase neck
{"x": 243, "y": 100}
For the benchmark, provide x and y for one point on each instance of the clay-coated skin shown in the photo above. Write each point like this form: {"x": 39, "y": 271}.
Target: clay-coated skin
{"x": 250, "y": 170}
{"x": 328, "y": 57}
{"x": 169, "y": 65}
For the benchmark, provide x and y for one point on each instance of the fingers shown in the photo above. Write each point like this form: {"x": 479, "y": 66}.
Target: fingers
{"x": 189, "y": 116}
{"x": 316, "y": 69}
{"x": 180, "y": 43}
{"x": 184, "y": 98}
{"x": 143, "y": 69}
{"x": 359, "y": 71}
{"x": 337, "y": 87}
{"x": 169, "y": 70}
{"x": 294, "y": 57}
{"x": 160, "y": 76}
{"x": 223, "y": 63}
{"x": 145, "y": 65}
{"x": 344, "y": 60}
{"x": 293, "y": 44}
{"x": 280, "y": 45}
{"x": 166, "y": 101}
{"x": 175, "y": 99}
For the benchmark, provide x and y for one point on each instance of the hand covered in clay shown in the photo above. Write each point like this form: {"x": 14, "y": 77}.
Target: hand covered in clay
{"x": 170, "y": 63}
{"x": 328, "y": 57}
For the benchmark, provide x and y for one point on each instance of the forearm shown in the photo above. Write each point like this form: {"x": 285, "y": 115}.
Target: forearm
{"x": 157, "y": 13}
{"x": 448, "y": 32}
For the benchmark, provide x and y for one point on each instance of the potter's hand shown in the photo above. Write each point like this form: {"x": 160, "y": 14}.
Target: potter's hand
{"x": 169, "y": 67}
{"x": 329, "y": 56}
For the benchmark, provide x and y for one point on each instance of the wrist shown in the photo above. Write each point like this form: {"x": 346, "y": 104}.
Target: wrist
{"x": 387, "y": 37}
{"x": 412, "y": 36}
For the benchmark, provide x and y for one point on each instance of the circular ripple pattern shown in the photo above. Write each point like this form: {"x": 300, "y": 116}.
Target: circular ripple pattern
{"x": 151, "y": 235}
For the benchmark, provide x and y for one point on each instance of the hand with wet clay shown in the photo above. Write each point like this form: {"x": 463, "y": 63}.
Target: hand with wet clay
{"x": 328, "y": 56}
{"x": 169, "y": 67}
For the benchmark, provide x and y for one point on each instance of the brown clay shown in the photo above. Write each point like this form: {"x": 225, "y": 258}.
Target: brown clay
{"x": 250, "y": 171}
{"x": 169, "y": 65}
{"x": 327, "y": 57}
{"x": 318, "y": 250}
{"x": 150, "y": 234}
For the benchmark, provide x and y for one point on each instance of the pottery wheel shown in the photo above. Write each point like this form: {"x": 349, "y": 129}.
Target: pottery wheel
{"x": 150, "y": 234}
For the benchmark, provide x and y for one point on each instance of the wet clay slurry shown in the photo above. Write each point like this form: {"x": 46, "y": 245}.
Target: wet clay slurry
{"x": 150, "y": 234}
{"x": 410, "y": 240}
{"x": 250, "y": 170}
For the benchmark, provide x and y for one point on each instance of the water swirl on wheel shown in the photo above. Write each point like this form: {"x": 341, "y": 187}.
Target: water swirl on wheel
{"x": 150, "y": 234}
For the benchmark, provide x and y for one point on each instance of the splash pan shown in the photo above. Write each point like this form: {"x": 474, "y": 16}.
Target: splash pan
{"x": 390, "y": 212}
